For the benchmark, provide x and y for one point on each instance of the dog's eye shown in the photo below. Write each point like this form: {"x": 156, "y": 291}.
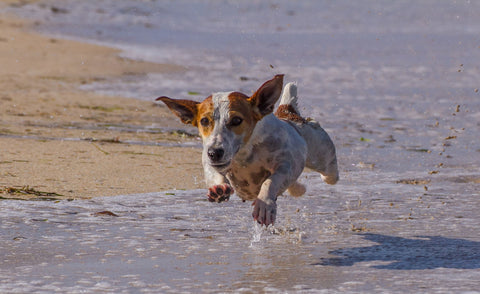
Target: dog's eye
{"x": 236, "y": 121}
{"x": 205, "y": 122}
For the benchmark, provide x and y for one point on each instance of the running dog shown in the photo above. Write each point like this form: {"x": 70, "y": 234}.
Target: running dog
{"x": 250, "y": 150}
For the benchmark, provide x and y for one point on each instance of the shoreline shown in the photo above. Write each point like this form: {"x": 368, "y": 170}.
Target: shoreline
{"x": 59, "y": 140}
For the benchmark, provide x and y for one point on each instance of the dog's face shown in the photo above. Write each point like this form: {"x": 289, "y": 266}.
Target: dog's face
{"x": 226, "y": 120}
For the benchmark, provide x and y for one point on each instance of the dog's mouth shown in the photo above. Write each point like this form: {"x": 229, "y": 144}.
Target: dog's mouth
{"x": 220, "y": 166}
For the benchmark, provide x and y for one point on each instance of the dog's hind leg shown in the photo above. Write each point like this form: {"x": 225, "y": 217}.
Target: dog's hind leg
{"x": 321, "y": 155}
{"x": 297, "y": 189}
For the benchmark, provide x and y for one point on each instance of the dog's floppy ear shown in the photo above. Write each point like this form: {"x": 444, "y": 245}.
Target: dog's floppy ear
{"x": 186, "y": 110}
{"x": 267, "y": 95}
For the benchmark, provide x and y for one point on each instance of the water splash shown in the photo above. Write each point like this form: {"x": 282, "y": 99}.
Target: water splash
{"x": 256, "y": 234}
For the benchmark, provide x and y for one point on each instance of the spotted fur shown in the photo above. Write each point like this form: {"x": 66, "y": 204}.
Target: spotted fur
{"x": 253, "y": 152}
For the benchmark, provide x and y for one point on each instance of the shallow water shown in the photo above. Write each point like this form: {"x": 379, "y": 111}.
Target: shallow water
{"x": 395, "y": 85}
{"x": 395, "y": 238}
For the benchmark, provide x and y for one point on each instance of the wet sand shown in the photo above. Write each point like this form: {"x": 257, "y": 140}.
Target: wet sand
{"x": 58, "y": 140}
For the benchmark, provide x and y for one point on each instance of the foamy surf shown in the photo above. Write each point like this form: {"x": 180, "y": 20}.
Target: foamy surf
{"x": 348, "y": 229}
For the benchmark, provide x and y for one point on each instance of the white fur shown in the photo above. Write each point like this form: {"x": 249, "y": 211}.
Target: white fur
{"x": 266, "y": 157}
{"x": 321, "y": 155}
{"x": 276, "y": 154}
{"x": 289, "y": 96}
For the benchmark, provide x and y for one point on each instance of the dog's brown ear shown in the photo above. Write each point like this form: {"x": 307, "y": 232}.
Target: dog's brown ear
{"x": 186, "y": 110}
{"x": 267, "y": 95}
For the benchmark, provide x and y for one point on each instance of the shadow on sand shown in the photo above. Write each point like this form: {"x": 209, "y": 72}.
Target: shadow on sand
{"x": 422, "y": 252}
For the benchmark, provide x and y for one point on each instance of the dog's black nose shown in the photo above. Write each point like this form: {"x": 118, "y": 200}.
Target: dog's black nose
{"x": 215, "y": 154}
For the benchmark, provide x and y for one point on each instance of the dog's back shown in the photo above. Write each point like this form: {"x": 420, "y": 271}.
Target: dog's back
{"x": 321, "y": 155}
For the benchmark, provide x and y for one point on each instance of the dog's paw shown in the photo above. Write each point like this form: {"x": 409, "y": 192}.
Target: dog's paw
{"x": 219, "y": 193}
{"x": 264, "y": 212}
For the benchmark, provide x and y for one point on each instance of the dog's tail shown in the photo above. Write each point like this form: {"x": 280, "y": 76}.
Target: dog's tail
{"x": 289, "y": 96}
{"x": 321, "y": 155}
{"x": 288, "y": 108}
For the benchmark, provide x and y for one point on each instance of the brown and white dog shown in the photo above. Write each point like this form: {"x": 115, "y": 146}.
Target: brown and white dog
{"x": 253, "y": 152}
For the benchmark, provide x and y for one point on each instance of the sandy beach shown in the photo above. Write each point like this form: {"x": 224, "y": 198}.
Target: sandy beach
{"x": 57, "y": 140}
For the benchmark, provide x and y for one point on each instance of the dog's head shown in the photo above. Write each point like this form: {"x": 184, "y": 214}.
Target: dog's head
{"x": 226, "y": 120}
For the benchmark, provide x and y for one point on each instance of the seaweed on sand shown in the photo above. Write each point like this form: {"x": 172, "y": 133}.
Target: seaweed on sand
{"x": 27, "y": 193}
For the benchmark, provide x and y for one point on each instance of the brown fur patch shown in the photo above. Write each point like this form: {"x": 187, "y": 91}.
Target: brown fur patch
{"x": 266, "y": 96}
{"x": 259, "y": 177}
{"x": 240, "y": 107}
{"x": 237, "y": 96}
{"x": 186, "y": 110}
{"x": 205, "y": 110}
{"x": 287, "y": 112}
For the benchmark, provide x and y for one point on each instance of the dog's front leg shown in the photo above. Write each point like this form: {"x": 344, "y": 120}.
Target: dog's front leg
{"x": 265, "y": 206}
{"x": 219, "y": 188}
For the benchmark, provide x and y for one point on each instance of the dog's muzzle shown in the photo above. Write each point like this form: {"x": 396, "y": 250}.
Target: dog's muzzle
{"x": 216, "y": 157}
{"x": 215, "y": 154}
